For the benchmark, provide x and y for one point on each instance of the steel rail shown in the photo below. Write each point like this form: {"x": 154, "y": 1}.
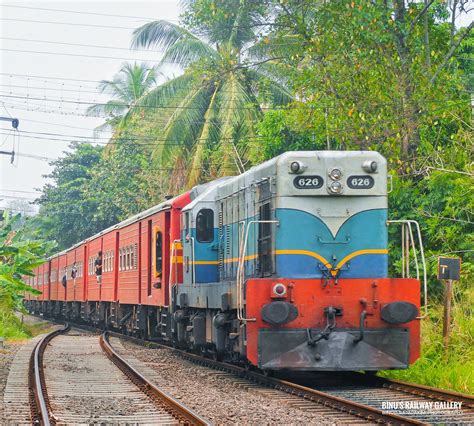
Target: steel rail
{"x": 39, "y": 401}
{"x": 182, "y": 413}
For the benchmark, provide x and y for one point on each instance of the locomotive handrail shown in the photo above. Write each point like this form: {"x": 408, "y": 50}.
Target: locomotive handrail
{"x": 241, "y": 269}
{"x": 408, "y": 223}
{"x": 193, "y": 268}
{"x": 174, "y": 282}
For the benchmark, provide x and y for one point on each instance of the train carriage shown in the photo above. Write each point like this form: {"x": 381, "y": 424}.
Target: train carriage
{"x": 282, "y": 267}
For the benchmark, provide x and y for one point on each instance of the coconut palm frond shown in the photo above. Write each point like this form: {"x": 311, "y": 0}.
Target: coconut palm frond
{"x": 207, "y": 134}
{"x": 130, "y": 84}
{"x": 165, "y": 94}
{"x": 278, "y": 93}
{"x": 234, "y": 106}
{"x": 159, "y": 35}
{"x": 115, "y": 88}
{"x": 274, "y": 71}
{"x": 184, "y": 124}
{"x": 275, "y": 47}
{"x": 115, "y": 108}
{"x": 186, "y": 51}
{"x": 166, "y": 97}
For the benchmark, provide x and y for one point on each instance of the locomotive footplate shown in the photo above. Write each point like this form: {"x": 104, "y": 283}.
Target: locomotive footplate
{"x": 289, "y": 349}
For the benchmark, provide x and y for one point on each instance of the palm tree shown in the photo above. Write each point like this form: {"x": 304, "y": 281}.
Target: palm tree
{"x": 129, "y": 84}
{"x": 215, "y": 103}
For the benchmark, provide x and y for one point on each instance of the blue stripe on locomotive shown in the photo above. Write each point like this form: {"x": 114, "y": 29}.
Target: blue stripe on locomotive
{"x": 299, "y": 230}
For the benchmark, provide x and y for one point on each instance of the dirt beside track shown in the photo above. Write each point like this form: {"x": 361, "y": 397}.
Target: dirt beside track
{"x": 7, "y": 355}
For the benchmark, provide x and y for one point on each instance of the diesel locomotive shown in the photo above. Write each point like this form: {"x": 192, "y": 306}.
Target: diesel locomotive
{"x": 284, "y": 267}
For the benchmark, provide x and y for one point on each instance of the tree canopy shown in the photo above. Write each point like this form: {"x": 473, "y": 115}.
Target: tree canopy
{"x": 215, "y": 105}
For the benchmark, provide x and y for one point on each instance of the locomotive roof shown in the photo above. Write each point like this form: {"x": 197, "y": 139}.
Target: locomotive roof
{"x": 230, "y": 186}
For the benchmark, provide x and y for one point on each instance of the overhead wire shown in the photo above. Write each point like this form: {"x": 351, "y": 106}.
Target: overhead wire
{"x": 112, "y": 142}
{"x": 83, "y": 45}
{"x": 71, "y": 101}
{"x": 158, "y": 107}
{"x": 20, "y": 190}
{"x": 79, "y": 55}
{"x": 75, "y": 24}
{"x": 85, "y": 13}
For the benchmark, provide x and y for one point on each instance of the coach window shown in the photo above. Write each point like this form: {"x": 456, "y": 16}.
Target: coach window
{"x": 158, "y": 253}
{"x": 205, "y": 226}
{"x": 132, "y": 257}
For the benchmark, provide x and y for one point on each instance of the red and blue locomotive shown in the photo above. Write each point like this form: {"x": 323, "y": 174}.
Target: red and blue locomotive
{"x": 283, "y": 267}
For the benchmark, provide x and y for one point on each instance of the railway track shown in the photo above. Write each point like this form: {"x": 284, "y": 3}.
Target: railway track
{"x": 363, "y": 397}
{"x": 357, "y": 394}
{"x": 74, "y": 379}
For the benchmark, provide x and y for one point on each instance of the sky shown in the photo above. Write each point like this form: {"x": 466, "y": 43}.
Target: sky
{"x": 49, "y": 93}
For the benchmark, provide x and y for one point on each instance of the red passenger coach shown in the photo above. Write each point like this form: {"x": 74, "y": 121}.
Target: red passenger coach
{"x": 70, "y": 259}
{"x": 62, "y": 272}
{"x": 136, "y": 256}
{"x": 128, "y": 273}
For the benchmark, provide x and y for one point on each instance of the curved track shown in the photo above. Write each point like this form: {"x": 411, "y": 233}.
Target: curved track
{"x": 74, "y": 381}
{"x": 356, "y": 394}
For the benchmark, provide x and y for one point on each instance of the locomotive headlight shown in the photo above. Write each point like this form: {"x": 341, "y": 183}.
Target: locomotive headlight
{"x": 335, "y": 174}
{"x": 296, "y": 167}
{"x": 370, "y": 166}
{"x": 279, "y": 290}
{"x": 335, "y": 187}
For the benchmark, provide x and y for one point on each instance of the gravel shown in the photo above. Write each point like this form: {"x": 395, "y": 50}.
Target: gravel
{"x": 217, "y": 396}
{"x": 7, "y": 354}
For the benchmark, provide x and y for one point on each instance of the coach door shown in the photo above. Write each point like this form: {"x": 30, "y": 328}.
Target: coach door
{"x": 265, "y": 240}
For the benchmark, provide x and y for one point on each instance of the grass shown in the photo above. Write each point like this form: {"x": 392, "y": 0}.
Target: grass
{"x": 13, "y": 330}
{"x": 452, "y": 369}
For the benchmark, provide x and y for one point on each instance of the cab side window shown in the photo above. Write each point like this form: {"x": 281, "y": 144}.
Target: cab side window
{"x": 205, "y": 226}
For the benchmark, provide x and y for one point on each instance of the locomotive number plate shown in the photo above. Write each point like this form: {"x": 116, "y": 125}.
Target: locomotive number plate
{"x": 308, "y": 182}
{"x": 360, "y": 182}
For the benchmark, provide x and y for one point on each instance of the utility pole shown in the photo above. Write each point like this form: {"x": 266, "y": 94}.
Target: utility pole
{"x": 15, "y": 123}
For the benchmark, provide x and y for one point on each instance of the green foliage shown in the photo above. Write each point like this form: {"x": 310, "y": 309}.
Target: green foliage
{"x": 18, "y": 257}
{"x": 66, "y": 212}
{"x": 363, "y": 75}
{"x": 122, "y": 184}
{"x": 276, "y": 135}
{"x": 452, "y": 369}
